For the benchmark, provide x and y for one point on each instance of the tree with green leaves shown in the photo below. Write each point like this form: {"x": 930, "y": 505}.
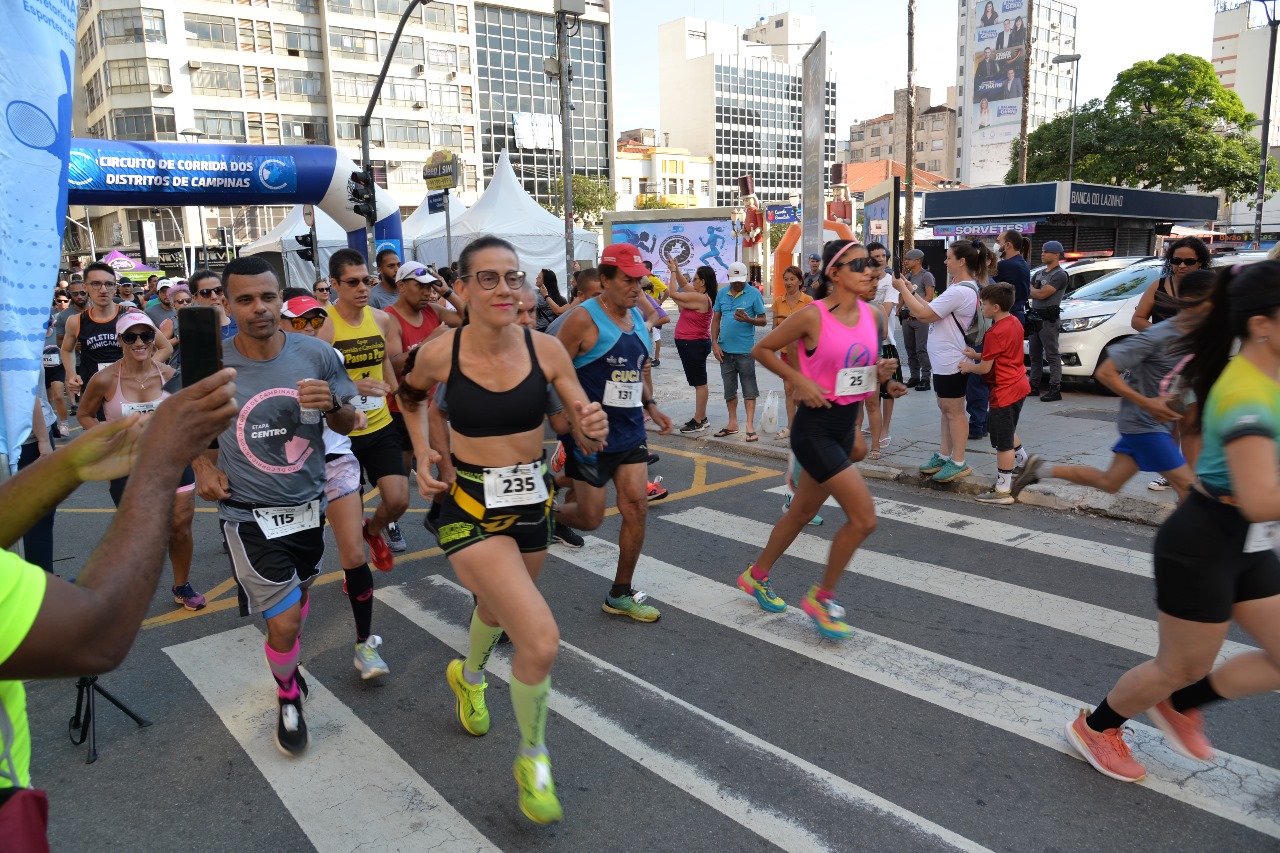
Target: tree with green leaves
{"x": 591, "y": 198}
{"x": 1166, "y": 123}
{"x": 653, "y": 201}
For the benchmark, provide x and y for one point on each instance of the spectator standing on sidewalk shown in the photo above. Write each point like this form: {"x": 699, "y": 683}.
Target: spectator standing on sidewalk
{"x": 977, "y": 394}
{"x": 1013, "y": 269}
{"x": 693, "y": 335}
{"x": 1047, "y": 289}
{"x": 879, "y": 407}
{"x": 738, "y": 311}
{"x": 813, "y": 277}
{"x": 792, "y": 300}
{"x": 1000, "y": 366}
{"x": 915, "y": 333}
{"x": 950, "y": 315}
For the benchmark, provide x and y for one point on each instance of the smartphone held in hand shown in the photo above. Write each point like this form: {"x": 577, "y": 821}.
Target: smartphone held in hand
{"x": 200, "y": 343}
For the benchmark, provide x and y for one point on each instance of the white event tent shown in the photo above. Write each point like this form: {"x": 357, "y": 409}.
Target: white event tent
{"x": 422, "y": 221}
{"x": 505, "y": 210}
{"x": 279, "y": 248}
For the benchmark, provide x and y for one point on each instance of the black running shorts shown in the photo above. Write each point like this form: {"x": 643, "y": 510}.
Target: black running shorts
{"x": 380, "y": 453}
{"x": 268, "y": 570}
{"x": 1200, "y": 565}
{"x": 600, "y": 470}
{"x": 822, "y": 439}
{"x": 465, "y": 520}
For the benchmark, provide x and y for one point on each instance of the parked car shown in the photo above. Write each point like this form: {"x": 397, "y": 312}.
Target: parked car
{"x": 1099, "y": 314}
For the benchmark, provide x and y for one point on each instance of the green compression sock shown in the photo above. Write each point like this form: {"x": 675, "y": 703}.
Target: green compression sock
{"x": 483, "y": 639}
{"x": 530, "y": 703}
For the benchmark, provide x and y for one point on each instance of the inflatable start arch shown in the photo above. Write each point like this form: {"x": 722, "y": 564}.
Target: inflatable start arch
{"x": 146, "y": 174}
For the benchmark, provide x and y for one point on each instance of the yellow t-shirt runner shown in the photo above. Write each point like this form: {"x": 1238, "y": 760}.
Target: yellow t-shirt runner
{"x": 22, "y": 588}
{"x": 363, "y": 350}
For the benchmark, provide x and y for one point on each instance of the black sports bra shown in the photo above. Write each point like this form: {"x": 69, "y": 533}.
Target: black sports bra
{"x": 477, "y": 412}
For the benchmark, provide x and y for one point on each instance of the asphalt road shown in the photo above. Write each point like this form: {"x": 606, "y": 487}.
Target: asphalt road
{"x": 938, "y": 726}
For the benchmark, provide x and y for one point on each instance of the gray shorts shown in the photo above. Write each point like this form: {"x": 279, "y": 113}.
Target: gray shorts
{"x": 739, "y": 367}
{"x": 270, "y": 572}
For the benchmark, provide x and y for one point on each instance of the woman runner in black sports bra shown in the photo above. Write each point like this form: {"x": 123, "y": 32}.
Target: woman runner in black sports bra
{"x": 495, "y": 523}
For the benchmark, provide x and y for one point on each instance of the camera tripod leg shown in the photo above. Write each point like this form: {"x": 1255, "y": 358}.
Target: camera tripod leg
{"x": 142, "y": 723}
{"x": 83, "y": 725}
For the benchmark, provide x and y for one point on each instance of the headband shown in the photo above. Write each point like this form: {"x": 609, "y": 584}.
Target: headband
{"x": 836, "y": 256}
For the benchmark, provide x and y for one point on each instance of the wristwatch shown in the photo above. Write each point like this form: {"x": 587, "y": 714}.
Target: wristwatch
{"x": 644, "y": 404}
{"x": 337, "y": 404}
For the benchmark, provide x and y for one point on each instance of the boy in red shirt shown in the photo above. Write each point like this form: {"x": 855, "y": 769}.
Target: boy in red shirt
{"x": 1001, "y": 363}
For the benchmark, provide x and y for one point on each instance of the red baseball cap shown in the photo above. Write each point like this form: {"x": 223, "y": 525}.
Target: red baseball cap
{"x": 625, "y": 257}
{"x": 299, "y": 305}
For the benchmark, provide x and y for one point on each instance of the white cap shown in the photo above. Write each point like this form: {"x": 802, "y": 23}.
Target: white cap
{"x": 737, "y": 271}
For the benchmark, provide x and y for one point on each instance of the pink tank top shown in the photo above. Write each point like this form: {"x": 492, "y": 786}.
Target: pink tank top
{"x": 839, "y": 349}
{"x": 116, "y": 406}
{"x": 693, "y": 325}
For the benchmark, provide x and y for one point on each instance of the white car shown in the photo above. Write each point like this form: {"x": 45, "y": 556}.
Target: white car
{"x": 1101, "y": 313}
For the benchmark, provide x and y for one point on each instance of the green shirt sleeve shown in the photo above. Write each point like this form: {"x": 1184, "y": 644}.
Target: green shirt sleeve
{"x": 22, "y": 588}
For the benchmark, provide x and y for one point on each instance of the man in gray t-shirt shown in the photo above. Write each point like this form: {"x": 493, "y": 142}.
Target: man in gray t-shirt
{"x": 1047, "y": 289}
{"x": 163, "y": 308}
{"x": 270, "y": 474}
{"x": 1150, "y": 360}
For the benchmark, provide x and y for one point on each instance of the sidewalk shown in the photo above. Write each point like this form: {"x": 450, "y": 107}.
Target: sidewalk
{"x": 1079, "y": 430}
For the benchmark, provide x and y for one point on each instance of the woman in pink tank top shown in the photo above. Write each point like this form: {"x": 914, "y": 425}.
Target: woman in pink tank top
{"x": 838, "y": 342}
{"x": 134, "y": 385}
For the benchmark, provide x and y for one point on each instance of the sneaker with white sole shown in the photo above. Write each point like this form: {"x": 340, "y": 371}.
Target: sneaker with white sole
{"x": 951, "y": 471}
{"x": 995, "y": 497}
{"x": 292, "y": 738}
{"x": 1159, "y": 484}
{"x": 395, "y": 539}
{"x": 632, "y": 604}
{"x": 368, "y": 661}
{"x": 564, "y": 535}
{"x": 1106, "y": 751}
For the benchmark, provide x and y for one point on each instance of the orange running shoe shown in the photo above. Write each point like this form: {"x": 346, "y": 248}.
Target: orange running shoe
{"x": 1106, "y": 751}
{"x": 557, "y": 458}
{"x": 1185, "y": 730}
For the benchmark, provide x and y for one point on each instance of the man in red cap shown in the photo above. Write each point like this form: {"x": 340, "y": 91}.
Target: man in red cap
{"x": 610, "y": 346}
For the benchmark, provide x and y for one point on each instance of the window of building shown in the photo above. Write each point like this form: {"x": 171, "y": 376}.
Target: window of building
{"x": 403, "y": 91}
{"x": 221, "y": 125}
{"x": 93, "y": 91}
{"x": 445, "y": 96}
{"x": 88, "y": 47}
{"x": 875, "y": 152}
{"x": 856, "y": 155}
{"x": 937, "y": 145}
{"x": 255, "y": 36}
{"x": 857, "y": 136}
{"x": 362, "y": 8}
{"x": 357, "y": 44}
{"x": 462, "y": 24}
{"x": 99, "y": 128}
{"x": 939, "y": 124}
{"x": 406, "y": 133}
{"x": 263, "y": 128}
{"x": 443, "y": 56}
{"x": 297, "y": 40}
{"x": 349, "y": 130}
{"x": 935, "y": 166}
{"x": 129, "y": 26}
{"x": 294, "y": 85}
{"x": 406, "y": 173}
{"x": 411, "y": 49}
{"x": 304, "y": 130}
{"x": 210, "y": 31}
{"x": 348, "y": 86}
{"x": 919, "y": 146}
{"x": 624, "y": 186}
{"x": 144, "y": 124}
{"x": 447, "y": 136}
{"x": 920, "y": 124}
{"x": 218, "y": 80}
{"x": 919, "y": 165}
{"x": 391, "y": 8}
{"x": 439, "y": 16}
{"x": 875, "y": 131}
{"x": 306, "y": 6}
{"x": 259, "y": 82}
{"x": 136, "y": 75}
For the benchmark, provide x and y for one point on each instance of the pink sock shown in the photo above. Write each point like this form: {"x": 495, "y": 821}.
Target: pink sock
{"x": 758, "y": 573}
{"x": 284, "y": 666}
{"x": 824, "y": 595}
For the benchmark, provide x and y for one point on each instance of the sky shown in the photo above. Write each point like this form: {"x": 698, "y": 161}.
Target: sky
{"x": 872, "y": 45}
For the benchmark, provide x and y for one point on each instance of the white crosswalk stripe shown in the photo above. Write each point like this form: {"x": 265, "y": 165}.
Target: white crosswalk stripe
{"x": 1078, "y": 550}
{"x": 1042, "y": 608}
{"x": 576, "y": 710}
{"x": 1232, "y": 787}
{"x": 328, "y": 791}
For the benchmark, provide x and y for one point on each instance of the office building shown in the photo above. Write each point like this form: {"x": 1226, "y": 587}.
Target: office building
{"x": 1240, "y": 44}
{"x": 520, "y": 105}
{"x": 885, "y": 137}
{"x": 735, "y": 94}
{"x": 993, "y": 37}
{"x": 658, "y": 176}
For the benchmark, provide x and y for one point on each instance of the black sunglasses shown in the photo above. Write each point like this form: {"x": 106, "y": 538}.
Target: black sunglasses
{"x": 182, "y": 301}
{"x": 206, "y": 292}
{"x": 1178, "y": 262}
{"x": 323, "y": 289}
{"x": 147, "y": 337}
{"x": 301, "y": 323}
{"x": 859, "y": 264}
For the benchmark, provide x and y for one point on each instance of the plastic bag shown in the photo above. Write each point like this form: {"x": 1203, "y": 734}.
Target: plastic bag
{"x": 769, "y": 415}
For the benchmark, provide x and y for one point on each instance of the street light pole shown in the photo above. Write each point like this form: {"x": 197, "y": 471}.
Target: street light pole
{"x": 1269, "y": 6}
{"x": 566, "y": 9}
{"x": 1073, "y": 58}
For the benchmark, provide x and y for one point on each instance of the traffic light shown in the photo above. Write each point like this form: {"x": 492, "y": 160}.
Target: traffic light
{"x": 308, "y": 252}
{"x": 361, "y": 188}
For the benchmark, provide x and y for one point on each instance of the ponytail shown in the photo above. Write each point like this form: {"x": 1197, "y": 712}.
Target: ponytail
{"x": 978, "y": 259}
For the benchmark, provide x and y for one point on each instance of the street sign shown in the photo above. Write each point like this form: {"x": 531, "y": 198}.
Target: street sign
{"x": 309, "y": 215}
{"x": 437, "y": 202}
{"x": 443, "y": 172}
{"x": 780, "y": 213}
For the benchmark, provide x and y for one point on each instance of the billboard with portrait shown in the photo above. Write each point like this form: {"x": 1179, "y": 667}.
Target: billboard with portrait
{"x": 690, "y": 242}
{"x": 998, "y": 34}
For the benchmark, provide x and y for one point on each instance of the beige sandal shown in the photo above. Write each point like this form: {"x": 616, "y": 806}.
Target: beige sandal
{"x": 783, "y": 433}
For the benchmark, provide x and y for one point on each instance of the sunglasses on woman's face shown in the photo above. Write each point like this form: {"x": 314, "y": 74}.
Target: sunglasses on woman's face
{"x": 1190, "y": 262}
{"x": 301, "y": 323}
{"x": 859, "y": 264}
{"x": 181, "y": 302}
{"x": 323, "y": 289}
{"x": 130, "y": 338}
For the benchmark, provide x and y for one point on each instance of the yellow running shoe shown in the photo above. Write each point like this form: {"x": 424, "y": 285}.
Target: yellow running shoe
{"x": 632, "y": 604}
{"x": 472, "y": 712}
{"x": 537, "y": 790}
{"x": 762, "y": 591}
{"x": 827, "y": 616}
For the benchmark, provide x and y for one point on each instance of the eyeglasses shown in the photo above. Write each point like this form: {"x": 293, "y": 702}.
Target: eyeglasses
{"x": 356, "y": 282}
{"x": 858, "y": 264}
{"x": 488, "y": 279}
{"x": 182, "y": 301}
{"x": 301, "y": 323}
{"x": 61, "y": 300}
{"x": 206, "y": 292}
{"x": 101, "y": 285}
{"x": 1178, "y": 262}
{"x": 73, "y": 294}
{"x": 322, "y": 289}
{"x": 147, "y": 336}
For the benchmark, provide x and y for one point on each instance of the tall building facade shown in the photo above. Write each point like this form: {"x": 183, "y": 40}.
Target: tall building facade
{"x": 300, "y": 72}
{"x": 520, "y": 105}
{"x": 994, "y": 36}
{"x": 735, "y": 94}
{"x": 885, "y": 137}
